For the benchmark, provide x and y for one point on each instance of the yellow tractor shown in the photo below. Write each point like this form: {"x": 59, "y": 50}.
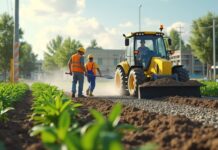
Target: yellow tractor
{"x": 146, "y": 60}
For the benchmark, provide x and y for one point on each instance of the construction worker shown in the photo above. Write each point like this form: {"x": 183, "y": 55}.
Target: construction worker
{"x": 91, "y": 69}
{"x": 77, "y": 69}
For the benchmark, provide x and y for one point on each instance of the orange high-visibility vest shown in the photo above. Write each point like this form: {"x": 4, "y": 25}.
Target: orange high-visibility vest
{"x": 90, "y": 66}
{"x": 76, "y": 65}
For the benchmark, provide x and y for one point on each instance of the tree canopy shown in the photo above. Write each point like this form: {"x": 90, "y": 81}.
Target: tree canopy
{"x": 174, "y": 35}
{"x": 201, "y": 39}
{"x": 94, "y": 44}
{"x": 6, "y": 47}
{"x": 59, "y": 52}
{"x": 27, "y": 60}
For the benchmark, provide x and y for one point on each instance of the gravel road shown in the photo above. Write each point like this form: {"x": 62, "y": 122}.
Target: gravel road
{"x": 204, "y": 115}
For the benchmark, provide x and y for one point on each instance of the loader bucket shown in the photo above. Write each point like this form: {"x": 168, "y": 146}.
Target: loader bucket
{"x": 148, "y": 92}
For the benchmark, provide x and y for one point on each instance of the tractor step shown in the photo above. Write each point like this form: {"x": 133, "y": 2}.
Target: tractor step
{"x": 148, "y": 92}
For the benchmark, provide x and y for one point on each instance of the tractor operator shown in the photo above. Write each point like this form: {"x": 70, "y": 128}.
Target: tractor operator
{"x": 91, "y": 69}
{"x": 144, "y": 54}
{"x": 77, "y": 69}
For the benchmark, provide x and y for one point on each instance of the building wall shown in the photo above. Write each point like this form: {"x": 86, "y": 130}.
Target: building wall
{"x": 190, "y": 62}
{"x": 107, "y": 59}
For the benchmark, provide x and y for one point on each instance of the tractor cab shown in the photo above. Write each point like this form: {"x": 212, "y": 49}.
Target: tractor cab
{"x": 143, "y": 46}
{"x": 147, "y": 60}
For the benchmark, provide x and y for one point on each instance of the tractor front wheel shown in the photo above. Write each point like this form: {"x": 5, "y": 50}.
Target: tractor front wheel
{"x": 136, "y": 77}
{"x": 121, "y": 81}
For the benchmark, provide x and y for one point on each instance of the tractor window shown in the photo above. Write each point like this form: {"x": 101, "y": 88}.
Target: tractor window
{"x": 153, "y": 43}
{"x": 129, "y": 54}
{"x": 161, "y": 47}
{"x": 148, "y": 43}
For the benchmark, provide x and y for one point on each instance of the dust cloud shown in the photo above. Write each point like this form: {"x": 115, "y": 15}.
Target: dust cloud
{"x": 104, "y": 87}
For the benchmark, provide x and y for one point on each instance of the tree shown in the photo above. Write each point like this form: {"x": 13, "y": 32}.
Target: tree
{"x": 49, "y": 60}
{"x": 93, "y": 44}
{"x": 59, "y": 52}
{"x": 174, "y": 35}
{"x": 68, "y": 48}
{"x": 201, "y": 39}
{"x": 6, "y": 42}
{"x": 27, "y": 61}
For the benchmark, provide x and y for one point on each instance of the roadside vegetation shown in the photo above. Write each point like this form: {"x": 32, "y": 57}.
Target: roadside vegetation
{"x": 9, "y": 94}
{"x": 210, "y": 88}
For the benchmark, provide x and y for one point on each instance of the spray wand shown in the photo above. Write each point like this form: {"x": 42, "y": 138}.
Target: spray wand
{"x": 90, "y": 75}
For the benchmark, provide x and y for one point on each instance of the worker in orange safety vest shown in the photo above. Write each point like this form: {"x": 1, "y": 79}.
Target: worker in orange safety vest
{"x": 91, "y": 69}
{"x": 77, "y": 69}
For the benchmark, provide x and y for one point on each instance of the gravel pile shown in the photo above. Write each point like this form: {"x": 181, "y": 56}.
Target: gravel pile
{"x": 204, "y": 115}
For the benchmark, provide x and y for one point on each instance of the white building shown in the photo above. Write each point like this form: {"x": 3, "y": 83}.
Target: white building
{"x": 107, "y": 59}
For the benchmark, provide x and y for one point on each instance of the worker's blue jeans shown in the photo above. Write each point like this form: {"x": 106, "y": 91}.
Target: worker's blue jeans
{"x": 78, "y": 77}
{"x": 91, "y": 79}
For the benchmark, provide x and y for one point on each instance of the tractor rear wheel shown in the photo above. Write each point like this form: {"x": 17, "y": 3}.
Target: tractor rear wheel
{"x": 121, "y": 81}
{"x": 182, "y": 74}
{"x": 136, "y": 77}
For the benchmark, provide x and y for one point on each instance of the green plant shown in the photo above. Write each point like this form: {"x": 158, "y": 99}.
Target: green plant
{"x": 2, "y": 146}
{"x": 210, "y": 88}
{"x": 3, "y": 111}
{"x": 9, "y": 94}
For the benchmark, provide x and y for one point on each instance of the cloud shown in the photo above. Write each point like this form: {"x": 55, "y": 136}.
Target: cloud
{"x": 82, "y": 29}
{"x": 126, "y": 24}
{"x": 45, "y": 9}
{"x": 150, "y": 24}
{"x": 185, "y": 29}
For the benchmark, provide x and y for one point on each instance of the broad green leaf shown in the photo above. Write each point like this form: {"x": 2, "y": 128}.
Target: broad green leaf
{"x": 115, "y": 145}
{"x": 72, "y": 141}
{"x": 63, "y": 124}
{"x": 77, "y": 105}
{"x": 65, "y": 105}
{"x": 48, "y": 136}
{"x": 114, "y": 115}
{"x": 58, "y": 102}
{"x": 90, "y": 138}
{"x": 149, "y": 146}
{"x": 98, "y": 116}
{"x": 109, "y": 137}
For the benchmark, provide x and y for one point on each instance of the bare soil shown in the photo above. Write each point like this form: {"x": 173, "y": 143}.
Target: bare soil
{"x": 15, "y": 133}
{"x": 169, "y": 132}
{"x": 197, "y": 102}
{"x": 171, "y": 82}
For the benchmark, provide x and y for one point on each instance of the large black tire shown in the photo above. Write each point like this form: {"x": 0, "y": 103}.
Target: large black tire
{"x": 182, "y": 74}
{"x": 121, "y": 81}
{"x": 136, "y": 77}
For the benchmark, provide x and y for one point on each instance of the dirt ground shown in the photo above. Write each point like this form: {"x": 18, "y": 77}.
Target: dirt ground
{"x": 169, "y": 132}
{"x": 171, "y": 82}
{"x": 197, "y": 102}
{"x": 15, "y": 133}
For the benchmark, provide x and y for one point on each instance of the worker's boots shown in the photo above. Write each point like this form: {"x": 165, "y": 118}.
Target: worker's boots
{"x": 87, "y": 92}
{"x": 90, "y": 94}
{"x": 73, "y": 95}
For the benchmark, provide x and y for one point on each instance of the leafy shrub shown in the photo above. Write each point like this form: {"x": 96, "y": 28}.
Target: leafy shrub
{"x": 210, "y": 88}
{"x": 9, "y": 94}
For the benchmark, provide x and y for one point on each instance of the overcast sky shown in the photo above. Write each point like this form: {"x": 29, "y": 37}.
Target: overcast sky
{"x": 102, "y": 20}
